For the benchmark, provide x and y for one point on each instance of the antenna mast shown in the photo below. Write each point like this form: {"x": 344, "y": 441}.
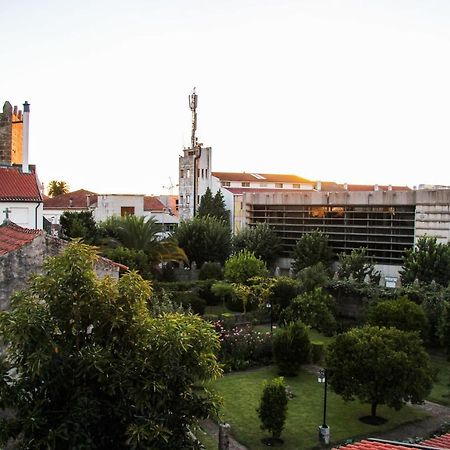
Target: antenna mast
{"x": 193, "y": 107}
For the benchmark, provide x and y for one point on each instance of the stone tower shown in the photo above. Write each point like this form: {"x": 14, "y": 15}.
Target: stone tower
{"x": 11, "y": 135}
{"x": 194, "y": 169}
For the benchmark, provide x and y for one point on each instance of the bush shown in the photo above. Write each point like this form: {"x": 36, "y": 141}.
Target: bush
{"x": 272, "y": 409}
{"x": 317, "y": 352}
{"x": 189, "y": 300}
{"x": 313, "y": 277}
{"x": 314, "y": 309}
{"x": 244, "y": 265}
{"x": 241, "y": 348}
{"x": 210, "y": 271}
{"x": 282, "y": 291}
{"x": 235, "y": 303}
{"x": 311, "y": 249}
{"x": 291, "y": 348}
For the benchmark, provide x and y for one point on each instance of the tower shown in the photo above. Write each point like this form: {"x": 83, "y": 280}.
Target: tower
{"x": 194, "y": 169}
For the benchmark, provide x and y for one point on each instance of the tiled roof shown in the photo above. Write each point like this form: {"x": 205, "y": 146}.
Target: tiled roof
{"x": 375, "y": 445}
{"x": 153, "y": 204}
{"x": 371, "y": 187}
{"x": 260, "y": 177}
{"x": 18, "y": 186}
{"x": 13, "y": 237}
{"x": 438, "y": 442}
{"x": 76, "y": 199}
{"x": 239, "y": 191}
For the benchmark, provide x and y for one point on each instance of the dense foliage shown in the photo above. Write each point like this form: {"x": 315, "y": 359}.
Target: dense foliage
{"x": 211, "y": 271}
{"x": 310, "y": 249}
{"x": 204, "y": 239}
{"x": 357, "y": 265}
{"x": 261, "y": 240}
{"x": 56, "y": 187}
{"x": 379, "y": 366}
{"x": 273, "y": 407}
{"x": 79, "y": 225}
{"x": 313, "y": 277}
{"x": 239, "y": 268}
{"x": 291, "y": 348}
{"x": 213, "y": 206}
{"x": 429, "y": 261}
{"x": 86, "y": 365}
{"x": 402, "y": 314}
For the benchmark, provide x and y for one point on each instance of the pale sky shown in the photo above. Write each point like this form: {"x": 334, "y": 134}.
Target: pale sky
{"x": 349, "y": 91}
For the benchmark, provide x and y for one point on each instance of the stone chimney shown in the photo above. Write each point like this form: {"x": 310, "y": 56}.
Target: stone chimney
{"x": 26, "y": 132}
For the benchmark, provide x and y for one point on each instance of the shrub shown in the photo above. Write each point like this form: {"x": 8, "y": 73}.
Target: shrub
{"x": 291, "y": 348}
{"x": 272, "y": 409}
{"x": 244, "y": 265}
{"x": 281, "y": 292}
{"x": 189, "y": 300}
{"x": 317, "y": 352}
{"x": 314, "y": 309}
{"x": 236, "y": 303}
{"x": 313, "y": 277}
{"x": 311, "y": 249}
{"x": 241, "y": 348}
{"x": 210, "y": 271}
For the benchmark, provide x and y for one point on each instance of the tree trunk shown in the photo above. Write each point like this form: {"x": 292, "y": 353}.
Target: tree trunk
{"x": 374, "y": 409}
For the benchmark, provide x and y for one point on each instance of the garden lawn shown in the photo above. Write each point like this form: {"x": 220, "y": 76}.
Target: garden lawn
{"x": 241, "y": 392}
{"x": 441, "y": 390}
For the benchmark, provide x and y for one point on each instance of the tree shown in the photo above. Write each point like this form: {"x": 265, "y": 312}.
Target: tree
{"x": 204, "y": 239}
{"x": 357, "y": 265}
{"x": 273, "y": 407}
{"x": 137, "y": 234}
{"x": 86, "y": 365}
{"x": 313, "y": 277}
{"x": 380, "y": 366}
{"x": 261, "y": 240}
{"x": 311, "y": 249}
{"x": 244, "y": 265}
{"x": 79, "y": 225}
{"x": 57, "y": 188}
{"x": 401, "y": 313}
{"x": 213, "y": 206}
{"x": 291, "y": 348}
{"x": 427, "y": 262}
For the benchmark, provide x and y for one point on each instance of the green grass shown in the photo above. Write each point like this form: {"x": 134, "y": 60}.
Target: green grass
{"x": 241, "y": 392}
{"x": 208, "y": 441}
{"x": 441, "y": 390}
{"x": 216, "y": 309}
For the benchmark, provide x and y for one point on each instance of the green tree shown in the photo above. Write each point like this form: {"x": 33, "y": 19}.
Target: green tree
{"x": 401, "y": 313}
{"x": 86, "y": 365}
{"x": 427, "y": 262}
{"x": 291, "y": 348}
{"x": 443, "y": 327}
{"x": 261, "y": 240}
{"x": 56, "y": 187}
{"x": 312, "y": 277}
{"x": 358, "y": 265}
{"x": 273, "y": 407}
{"x": 79, "y": 225}
{"x": 242, "y": 266}
{"x": 315, "y": 309}
{"x": 213, "y": 206}
{"x": 204, "y": 239}
{"x": 380, "y": 366}
{"x": 311, "y": 249}
{"x": 138, "y": 234}
{"x": 132, "y": 258}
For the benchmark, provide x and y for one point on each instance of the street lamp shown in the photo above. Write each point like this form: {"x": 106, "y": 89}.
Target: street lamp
{"x": 269, "y": 305}
{"x": 324, "y": 429}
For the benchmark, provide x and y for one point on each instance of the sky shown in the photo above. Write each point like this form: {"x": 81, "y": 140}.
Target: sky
{"x": 347, "y": 91}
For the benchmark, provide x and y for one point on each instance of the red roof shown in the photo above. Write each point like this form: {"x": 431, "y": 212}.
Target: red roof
{"x": 18, "y": 186}
{"x": 438, "y": 442}
{"x": 153, "y": 204}
{"x": 239, "y": 191}
{"x": 375, "y": 445}
{"x": 80, "y": 199}
{"x": 259, "y": 177}
{"x": 371, "y": 187}
{"x": 13, "y": 237}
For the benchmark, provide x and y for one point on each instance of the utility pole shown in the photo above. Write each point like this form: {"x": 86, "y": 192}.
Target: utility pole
{"x": 193, "y": 101}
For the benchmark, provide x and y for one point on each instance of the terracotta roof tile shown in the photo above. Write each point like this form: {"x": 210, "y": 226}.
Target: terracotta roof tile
{"x": 18, "y": 186}
{"x": 153, "y": 204}
{"x": 76, "y": 199}
{"x": 260, "y": 177}
{"x": 374, "y": 445}
{"x": 262, "y": 190}
{"x": 13, "y": 237}
{"x": 438, "y": 442}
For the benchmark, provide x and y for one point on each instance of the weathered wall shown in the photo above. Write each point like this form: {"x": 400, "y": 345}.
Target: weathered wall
{"x": 17, "y": 266}
{"x": 6, "y": 134}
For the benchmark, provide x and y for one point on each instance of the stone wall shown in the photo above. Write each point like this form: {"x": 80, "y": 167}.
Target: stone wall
{"x": 17, "y": 266}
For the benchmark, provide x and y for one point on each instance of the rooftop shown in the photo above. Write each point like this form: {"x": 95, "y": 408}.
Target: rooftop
{"x": 260, "y": 177}
{"x": 80, "y": 199}
{"x": 18, "y": 186}
{"x": 152, "y": 203}
{"x": 13, "y": 237}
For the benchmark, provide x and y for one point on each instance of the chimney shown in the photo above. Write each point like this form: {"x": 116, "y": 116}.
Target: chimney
{"x": 319, "y": 185}
{"x": 375, "y": 188}
{"x": 345, "y": 186}
{"x": 25, "y": 139}
{"x": 390, "y": 187}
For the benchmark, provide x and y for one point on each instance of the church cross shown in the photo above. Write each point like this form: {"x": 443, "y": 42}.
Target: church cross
{"x": 7, "y": 212}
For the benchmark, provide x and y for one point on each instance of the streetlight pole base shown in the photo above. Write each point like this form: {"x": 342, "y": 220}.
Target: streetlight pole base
{"x": 324, "y": 434}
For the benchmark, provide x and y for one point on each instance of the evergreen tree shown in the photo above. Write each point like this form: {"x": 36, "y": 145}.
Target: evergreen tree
{"x": 213, "y": 206}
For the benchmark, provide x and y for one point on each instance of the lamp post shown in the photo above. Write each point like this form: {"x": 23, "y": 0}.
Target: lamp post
{"x": 269, "y": 305}
{"x": 324, "y": 429}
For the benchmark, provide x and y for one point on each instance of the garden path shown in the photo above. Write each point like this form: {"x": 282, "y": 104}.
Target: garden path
{"x": 212, "y": 429}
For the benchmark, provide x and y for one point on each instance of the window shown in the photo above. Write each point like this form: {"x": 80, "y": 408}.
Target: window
{"x": 188, "y": 173}
{"x": 203, "y": 173}
{"x": 176, "y": 204}
{"x": 262, "y": 184}
{"x": 225, "y": 183}
{"x": 245, "y": 184}
{"x": 181, "y": 173}
{"x": 188, "y": 199}
{"x": 296, "y": 186}
{"x": 206, "y": 173}
{"x": 181, "y": 200}
{"x": 278, "y": 185}
{"x": 127, "y": 211}
{"x": 198, "y": 173}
